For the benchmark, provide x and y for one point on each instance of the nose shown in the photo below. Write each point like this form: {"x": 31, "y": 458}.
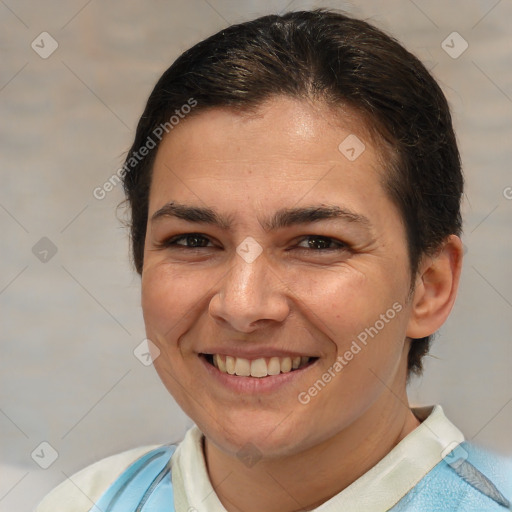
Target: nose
{"x": 250, "y": 296}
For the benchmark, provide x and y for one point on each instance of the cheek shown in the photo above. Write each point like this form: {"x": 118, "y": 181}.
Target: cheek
{"x": 350, "y": 305}
{"x": 168, "y": 296}
{"x": 168, "y": 301}
{"x": 335, "y": 299}
{"x": 338, "y": 302}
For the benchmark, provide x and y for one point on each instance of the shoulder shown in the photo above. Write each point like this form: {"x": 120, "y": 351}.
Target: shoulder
{"x": 79, "y": 492}
{"x": 469, "y": 478}
{"x": 495, "y": 467}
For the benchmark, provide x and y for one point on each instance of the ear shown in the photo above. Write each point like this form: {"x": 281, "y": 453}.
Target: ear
{"x": 437, "y": 281}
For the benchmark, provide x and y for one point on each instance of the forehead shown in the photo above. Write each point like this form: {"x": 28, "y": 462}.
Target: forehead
{"x": 303, "y": 135}
{"x": 286, "y": 151}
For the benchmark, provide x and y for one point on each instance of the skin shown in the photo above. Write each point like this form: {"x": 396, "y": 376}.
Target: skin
{"x": 291, "y": 297}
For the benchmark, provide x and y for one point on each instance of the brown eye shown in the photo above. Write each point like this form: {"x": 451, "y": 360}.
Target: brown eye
{"x": 319, "y": 243}
{"x": 187, "y": 241}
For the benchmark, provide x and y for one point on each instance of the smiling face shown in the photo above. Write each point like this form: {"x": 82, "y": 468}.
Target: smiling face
{"x": 266, "y": 248}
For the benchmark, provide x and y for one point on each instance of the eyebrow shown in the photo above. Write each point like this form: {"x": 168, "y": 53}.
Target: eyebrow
{"x": 284, "y": 217}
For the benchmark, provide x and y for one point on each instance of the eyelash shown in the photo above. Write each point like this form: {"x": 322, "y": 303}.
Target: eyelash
{"x": 172, "y": 242}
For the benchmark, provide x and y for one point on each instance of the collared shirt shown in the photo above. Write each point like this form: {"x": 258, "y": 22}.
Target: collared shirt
{"x": 379, "y": 489}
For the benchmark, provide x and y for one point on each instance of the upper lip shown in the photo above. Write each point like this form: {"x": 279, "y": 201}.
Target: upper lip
{"x": 254, "y": 353}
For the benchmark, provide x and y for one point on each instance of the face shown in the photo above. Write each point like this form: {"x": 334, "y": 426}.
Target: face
{"x": 267, "y": 248}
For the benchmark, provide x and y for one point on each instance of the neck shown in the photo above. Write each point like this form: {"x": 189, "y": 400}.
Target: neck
{"x": 279, "y": 485}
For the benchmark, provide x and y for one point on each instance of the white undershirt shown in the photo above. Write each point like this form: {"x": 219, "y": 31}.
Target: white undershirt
{"x": 378, "y": 489}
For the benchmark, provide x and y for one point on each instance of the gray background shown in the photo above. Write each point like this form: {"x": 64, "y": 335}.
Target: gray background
{"x": 69, "y": 325}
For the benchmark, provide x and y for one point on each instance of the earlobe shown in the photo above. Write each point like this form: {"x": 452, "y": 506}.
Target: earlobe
{"x": 437, "y": 281}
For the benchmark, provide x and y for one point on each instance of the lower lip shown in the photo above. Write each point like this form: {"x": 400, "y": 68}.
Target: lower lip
{"x": 253, "y": 385}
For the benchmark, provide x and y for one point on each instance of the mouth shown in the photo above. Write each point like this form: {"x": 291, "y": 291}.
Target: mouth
{"x": 260, "y": 368}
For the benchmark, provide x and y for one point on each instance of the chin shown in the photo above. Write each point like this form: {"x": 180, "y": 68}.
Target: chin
{"x": 261, "y": 434}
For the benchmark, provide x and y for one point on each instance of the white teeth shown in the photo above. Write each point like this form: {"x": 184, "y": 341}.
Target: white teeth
{"x": 220, "y": 363}
{"x": 274, "y": 366}
{"x": 242, "y": 367}
{"x": 286, "y": 364}
{"x": 230, "y": 365}
{"x": 260, "y": 367}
